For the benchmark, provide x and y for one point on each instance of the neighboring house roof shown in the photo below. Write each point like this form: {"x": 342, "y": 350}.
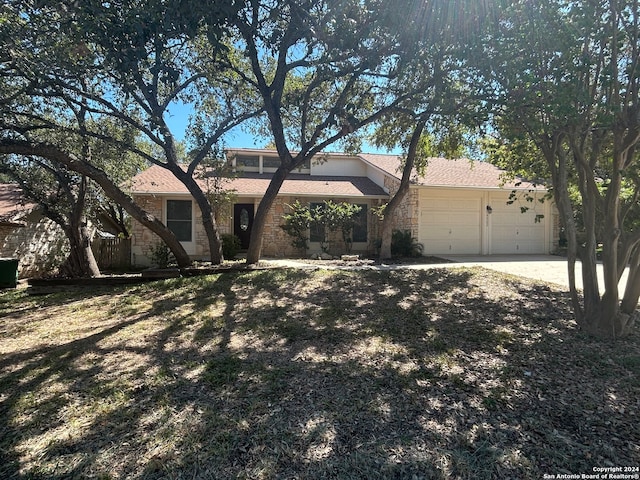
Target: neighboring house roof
{"x": 13, "y": 205}
{"x": 442, "y": 172}
{"x": 160, "y": 181}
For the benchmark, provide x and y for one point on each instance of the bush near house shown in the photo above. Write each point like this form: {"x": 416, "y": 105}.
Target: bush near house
{"x": 328, "y": 221}
{"x": 230, "y": 245}
{"x": 403, "y": 244}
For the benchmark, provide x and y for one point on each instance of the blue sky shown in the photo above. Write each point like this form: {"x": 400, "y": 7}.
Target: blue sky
{"x": 237, "y": 138}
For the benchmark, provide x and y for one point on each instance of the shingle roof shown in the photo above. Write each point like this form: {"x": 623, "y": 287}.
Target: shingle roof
{"x": 13, "y": 205}
{"x": 158, "y": 180}
{"x": 316, "y": 185}
{"x": 440, "y": 172}
{"x": 443, "y": 172}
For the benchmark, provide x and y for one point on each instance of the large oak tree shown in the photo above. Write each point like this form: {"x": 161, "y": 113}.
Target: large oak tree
{"x": 323, "y": 70}
{"x": 135, "y": 63}
{"x": 36, "y": 121}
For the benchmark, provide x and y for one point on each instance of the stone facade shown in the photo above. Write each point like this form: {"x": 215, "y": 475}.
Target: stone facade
{"x": 39, "y": 245}
{"x": 373, "y": 226}
{"x": 275, "y": 242}
{"x": 407, "y": 215}
{"x": 143, "y": 239}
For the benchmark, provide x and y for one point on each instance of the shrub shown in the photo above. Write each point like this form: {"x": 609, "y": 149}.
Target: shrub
{"x": 230, "y": 245}
{"x": 296, "y": 224}
{"x": 160, "y": 255}
{"x": 403, "y": 244}
{"x": 326, "y": 218}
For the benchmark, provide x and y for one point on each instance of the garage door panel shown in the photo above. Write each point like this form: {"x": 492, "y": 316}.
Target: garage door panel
{"x": 469, "y": 231}
{"x": 437, "y": 246}
{"x": 436, "y": 234}
{"x": 502, "y": 232}
{"x": 438, "y": 219}
{"x": 434, "y": 246}
{"x": 532, "y": 232}
{"x": 450, "y": 232}
{"x": 454, "y": 223}
{"x": 513, "y": 231}
{"x": 450, "y": 225}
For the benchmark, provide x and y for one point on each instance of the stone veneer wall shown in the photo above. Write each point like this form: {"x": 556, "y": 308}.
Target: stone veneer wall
{"x": 39, "y": 246}
{"x": 407, "y": 214}
{"x": 142, "y": 239}
{"x": 373, "y": 229}
{"x": 275, "y": 242}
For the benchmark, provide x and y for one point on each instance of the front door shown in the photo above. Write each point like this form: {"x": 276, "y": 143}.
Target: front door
{"x": 242, "y": 222}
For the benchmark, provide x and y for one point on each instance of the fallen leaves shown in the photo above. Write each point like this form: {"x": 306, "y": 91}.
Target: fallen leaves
{"x": 405, "y": 374}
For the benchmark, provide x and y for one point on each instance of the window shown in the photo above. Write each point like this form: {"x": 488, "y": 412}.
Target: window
{"x": 179, "y": 219}
{"x": 316, "y": 230}
{"x": 271, "y": 162}
{"x": 250, "y": 161}
{"x": 359, "y": 233}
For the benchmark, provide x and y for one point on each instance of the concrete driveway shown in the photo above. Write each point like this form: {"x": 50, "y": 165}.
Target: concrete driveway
{"x": 548, "y": 268}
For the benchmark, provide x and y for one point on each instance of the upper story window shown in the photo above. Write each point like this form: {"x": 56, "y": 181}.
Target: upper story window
{"x": 270, "y": 162}
{"x": 180, "y": 219}
{"x": 248, "y": 162}
{"x": 264, "y": 163}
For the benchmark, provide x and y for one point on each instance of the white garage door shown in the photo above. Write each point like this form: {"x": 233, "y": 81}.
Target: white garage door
{"x": 515, "y": 232}
{"x": 450, "y": 225}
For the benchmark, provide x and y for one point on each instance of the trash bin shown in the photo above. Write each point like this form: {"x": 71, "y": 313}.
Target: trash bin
{"x": 8, "y": 272}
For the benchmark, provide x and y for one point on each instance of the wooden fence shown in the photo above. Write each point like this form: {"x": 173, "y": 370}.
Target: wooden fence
{"x": 112, "y": 253}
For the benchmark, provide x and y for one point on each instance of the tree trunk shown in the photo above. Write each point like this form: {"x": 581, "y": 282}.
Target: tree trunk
{"x": 386, "y": 233}
{"x": 208, "y": 222}
{"x": 260, "y": 218}
{"x": 632, "y": 290}
{"x": 81, "y": 262}
{"x": 111, "y": 190}
{"x": 607, "y": 324}
{"x": 600, "y": 316}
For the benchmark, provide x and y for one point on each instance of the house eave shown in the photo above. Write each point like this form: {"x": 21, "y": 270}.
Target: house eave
{"x": 319, "y": 195}
{"x": 478, "y": 187}
{"x": 161, "y": 193}
{"x": 258, "y": 194}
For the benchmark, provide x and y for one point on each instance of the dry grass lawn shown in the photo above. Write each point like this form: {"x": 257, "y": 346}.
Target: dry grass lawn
{"x": 291, "y": 374}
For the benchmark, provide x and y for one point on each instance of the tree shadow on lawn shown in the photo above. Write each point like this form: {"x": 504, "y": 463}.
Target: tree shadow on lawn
{"x": 290, "y": 374}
